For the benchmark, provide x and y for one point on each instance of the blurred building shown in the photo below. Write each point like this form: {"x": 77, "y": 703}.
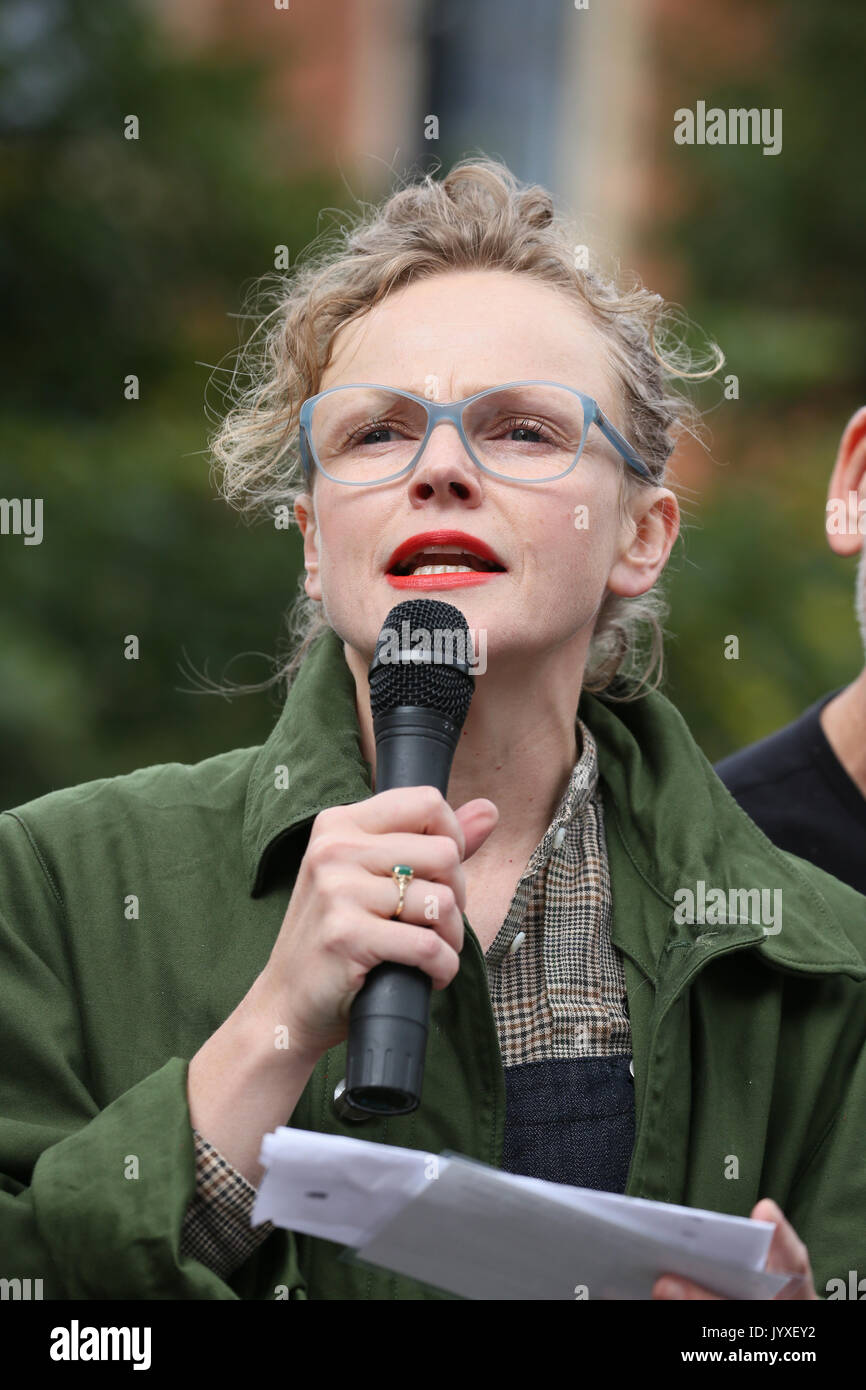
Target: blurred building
{"x": 561, "y": 94}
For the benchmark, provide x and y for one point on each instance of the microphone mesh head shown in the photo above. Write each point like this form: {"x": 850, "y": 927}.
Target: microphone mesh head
{"x": 423, "y": 657}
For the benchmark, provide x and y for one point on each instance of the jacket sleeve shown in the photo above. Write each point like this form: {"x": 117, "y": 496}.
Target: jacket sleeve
{"x": 92, "y": 1202}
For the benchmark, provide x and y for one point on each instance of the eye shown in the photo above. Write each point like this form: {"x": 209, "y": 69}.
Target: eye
{"x": 364, "y": 434}
{"x": 526, "y": 427}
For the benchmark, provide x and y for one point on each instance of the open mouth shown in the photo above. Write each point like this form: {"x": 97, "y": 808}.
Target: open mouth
{"x": 445, "y": 560}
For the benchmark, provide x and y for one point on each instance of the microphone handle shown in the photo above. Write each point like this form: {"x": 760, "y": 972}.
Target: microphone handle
{"x": 390, "y": 1014}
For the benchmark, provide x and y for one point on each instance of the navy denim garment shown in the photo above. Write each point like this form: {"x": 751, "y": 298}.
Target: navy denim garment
{"x": 571, "y": 1120}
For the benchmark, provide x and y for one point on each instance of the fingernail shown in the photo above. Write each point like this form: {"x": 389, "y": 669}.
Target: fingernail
{"x": 672, "y": 1289}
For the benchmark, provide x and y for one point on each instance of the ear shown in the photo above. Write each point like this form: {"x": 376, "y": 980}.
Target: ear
{"x": 845, "y": 522}
{"x": 655, "y": 525}
{"x": 305, "y": 516}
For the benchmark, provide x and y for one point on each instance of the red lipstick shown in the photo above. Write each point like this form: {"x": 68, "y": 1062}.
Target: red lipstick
{"x": 461, "y": 540}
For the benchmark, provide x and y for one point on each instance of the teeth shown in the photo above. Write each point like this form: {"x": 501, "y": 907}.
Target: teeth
{"x": 444, "y": 569}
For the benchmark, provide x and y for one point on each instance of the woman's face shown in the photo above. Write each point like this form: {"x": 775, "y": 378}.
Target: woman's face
{"x": 463, "y": 332}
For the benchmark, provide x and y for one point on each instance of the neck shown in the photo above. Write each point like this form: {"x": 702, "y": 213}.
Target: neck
{"x": 517, "y": 747}
{"x": 844, "y": 723}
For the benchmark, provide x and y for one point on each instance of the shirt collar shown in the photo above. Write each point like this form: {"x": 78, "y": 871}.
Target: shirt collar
{"x": 582, "y": 787}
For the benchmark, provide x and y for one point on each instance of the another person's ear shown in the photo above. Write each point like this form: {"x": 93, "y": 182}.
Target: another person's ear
{"x": 655, "y": 517}
{"x": 305, "y": 516}
{"x": 845, "y": 521}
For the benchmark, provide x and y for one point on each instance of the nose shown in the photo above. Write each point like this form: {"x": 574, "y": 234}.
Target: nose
{"x": 445, "y": 466}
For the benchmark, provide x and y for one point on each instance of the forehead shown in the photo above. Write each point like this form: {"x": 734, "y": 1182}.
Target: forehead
{"x": 470, "y": 330}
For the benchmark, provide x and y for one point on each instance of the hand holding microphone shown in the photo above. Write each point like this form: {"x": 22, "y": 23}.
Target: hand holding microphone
{"x": 419, "y": 700}
{"x": 338, "y": 926}
{"x": 340, "y": 954}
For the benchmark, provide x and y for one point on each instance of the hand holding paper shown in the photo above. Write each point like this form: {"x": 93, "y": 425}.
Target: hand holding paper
{"x": 787, "y": 1254}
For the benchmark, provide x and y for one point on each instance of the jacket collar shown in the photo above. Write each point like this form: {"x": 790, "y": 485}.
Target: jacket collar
{"x": 311, "y": 761}
{"x": 671, "y": 822}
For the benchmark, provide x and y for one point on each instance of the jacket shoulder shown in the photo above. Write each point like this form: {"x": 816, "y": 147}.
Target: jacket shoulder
{"x": 846, "y": 903}
{"x": 218, "y": 783}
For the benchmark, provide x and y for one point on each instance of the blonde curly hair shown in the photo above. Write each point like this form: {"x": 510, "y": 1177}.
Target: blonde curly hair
{"x": 479, "y": 216}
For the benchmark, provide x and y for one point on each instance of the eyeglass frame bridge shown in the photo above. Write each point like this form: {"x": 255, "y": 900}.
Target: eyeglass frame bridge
{"x": 437, "y": 411}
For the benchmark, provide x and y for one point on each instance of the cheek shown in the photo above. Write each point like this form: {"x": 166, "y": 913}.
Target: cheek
{"x": 347, "y": 544}
{"x": 588, "y": 532}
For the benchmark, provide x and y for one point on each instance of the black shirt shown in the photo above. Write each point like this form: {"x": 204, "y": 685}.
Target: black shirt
{"x": 794, "y": 787}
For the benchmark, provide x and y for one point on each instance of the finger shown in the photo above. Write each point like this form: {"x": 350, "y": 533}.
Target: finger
{"x": 404, "y": 944}
{"x": 422, "y": 810}
{"x": 787, "y": 1254}
{"x": 432, "y": 857}
{"x": 477, "y": 819}
{"x": 669, "y": 1287}
{"x": 425, "y": 904}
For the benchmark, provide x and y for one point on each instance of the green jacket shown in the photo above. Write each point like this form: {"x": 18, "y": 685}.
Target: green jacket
{"x": 748, "y": 1046}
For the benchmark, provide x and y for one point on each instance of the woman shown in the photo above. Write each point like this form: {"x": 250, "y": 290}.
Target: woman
{"x": 585, "y": 1027}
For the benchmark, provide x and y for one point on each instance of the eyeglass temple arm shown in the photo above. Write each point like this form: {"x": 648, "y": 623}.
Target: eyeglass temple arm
{"x": 621, "y": 445}
{"x": 306, "y": 459}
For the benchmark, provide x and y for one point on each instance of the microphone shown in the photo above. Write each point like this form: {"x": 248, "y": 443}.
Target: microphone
{"x": 419, "y": 698}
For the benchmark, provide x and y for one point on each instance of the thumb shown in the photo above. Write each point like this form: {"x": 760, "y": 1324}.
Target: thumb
{"x": 477, "y": 819}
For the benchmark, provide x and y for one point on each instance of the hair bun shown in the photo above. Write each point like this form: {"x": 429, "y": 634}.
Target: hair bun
{"x": 536, "y": 207}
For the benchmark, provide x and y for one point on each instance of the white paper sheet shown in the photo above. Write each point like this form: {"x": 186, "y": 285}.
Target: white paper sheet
{"x": 485, "y": 1234}
{"x": 364, "y": 1184}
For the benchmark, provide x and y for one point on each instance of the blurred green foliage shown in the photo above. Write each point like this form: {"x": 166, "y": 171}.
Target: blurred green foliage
{"x": 764, "y": 234}
{"x": 753, "y": 563}
{"x": 134, "y": 544}
{"x": 771, "y": 253}
{"x": 121, "y": 255}
{"x": 129, "y": 256}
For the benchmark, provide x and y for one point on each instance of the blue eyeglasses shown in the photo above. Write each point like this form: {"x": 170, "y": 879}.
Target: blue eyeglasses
{"x": 523, "y": 431}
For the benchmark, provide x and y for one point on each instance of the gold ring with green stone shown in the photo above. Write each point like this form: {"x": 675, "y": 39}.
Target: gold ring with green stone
{"x": 402, "y": 875}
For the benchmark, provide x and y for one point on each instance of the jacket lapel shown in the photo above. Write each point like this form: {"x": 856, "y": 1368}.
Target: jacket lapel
{"x": 311, "y": 760}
